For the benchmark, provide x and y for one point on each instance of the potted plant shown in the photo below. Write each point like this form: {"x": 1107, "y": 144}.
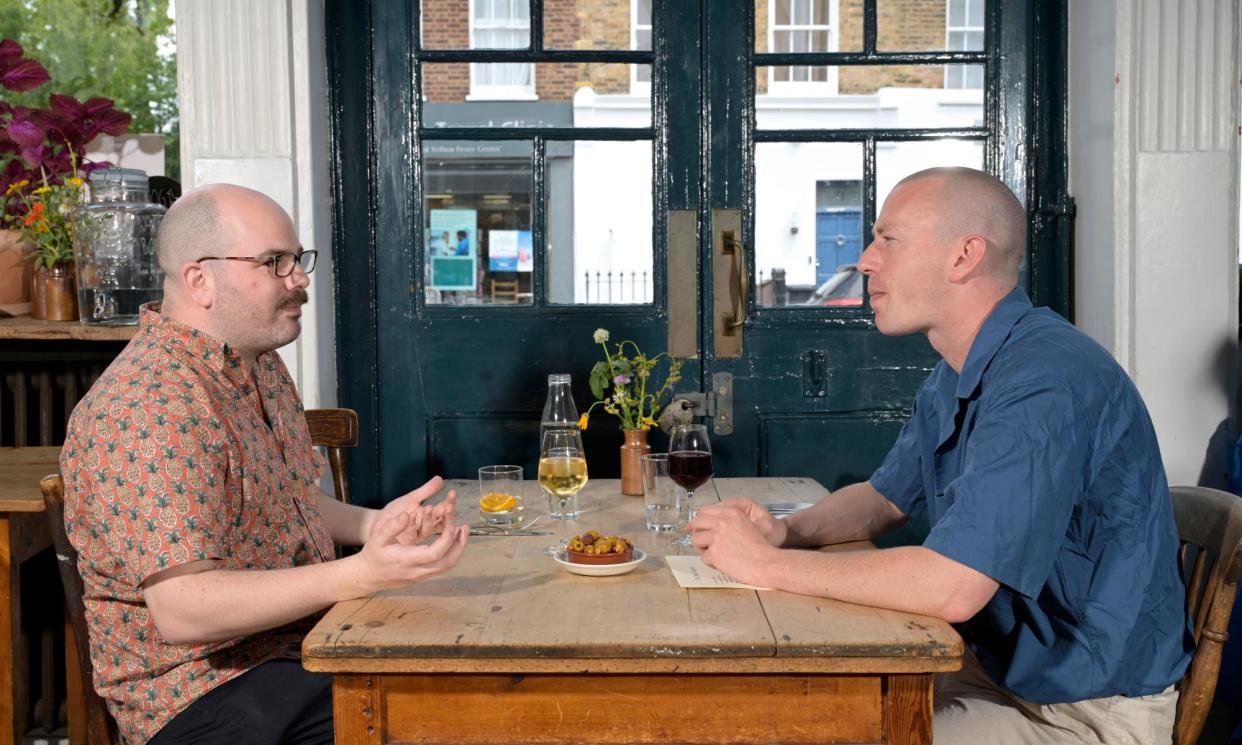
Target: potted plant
{"x": 626, "y": 387}
{"x": 42, "y": 171}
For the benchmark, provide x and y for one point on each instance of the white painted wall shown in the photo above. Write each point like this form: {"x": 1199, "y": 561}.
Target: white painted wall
{"x": 1155, "y": 172}
{"x": 253, "y": 96}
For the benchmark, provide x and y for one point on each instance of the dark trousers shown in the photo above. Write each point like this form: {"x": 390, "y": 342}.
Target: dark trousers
{"x": 277, "y": 703}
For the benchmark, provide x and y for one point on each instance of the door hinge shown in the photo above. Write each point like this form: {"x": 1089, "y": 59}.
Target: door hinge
{"x": 716, "y": 405}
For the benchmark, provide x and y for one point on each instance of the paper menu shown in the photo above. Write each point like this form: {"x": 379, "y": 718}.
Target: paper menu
{"x": 691, "y": 573}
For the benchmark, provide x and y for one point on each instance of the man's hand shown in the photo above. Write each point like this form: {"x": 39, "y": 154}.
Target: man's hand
{"x": 393, "y": 555}
{"x": 773, "y": 530}
{"x": 736, "y": 539}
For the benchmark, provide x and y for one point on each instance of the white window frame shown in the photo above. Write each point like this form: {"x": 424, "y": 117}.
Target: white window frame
{"x": 639, "y": 87}
{"x": 949, "y": 30}
{"x": 809, "y": 87}
{"x": 483, "y": 92}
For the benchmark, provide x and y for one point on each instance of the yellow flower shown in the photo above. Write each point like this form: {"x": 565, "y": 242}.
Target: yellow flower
{"x": 582, "y": 421}
{"x": 42, "y": 190}
{"x": 74, "y": 180}
{"x": 649, "y": 421}
{"x": 17, "y": 185}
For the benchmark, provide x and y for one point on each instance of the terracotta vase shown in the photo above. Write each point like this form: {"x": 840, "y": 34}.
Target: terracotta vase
{"x": 61, "y": 303}
{"x": 632, "y": 452}
{"x": 38, "y": 294}
{"x": 16, "y": 269}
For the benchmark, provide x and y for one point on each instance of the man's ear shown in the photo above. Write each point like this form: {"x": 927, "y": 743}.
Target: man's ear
{"x": 968, "y": 257}
{"x": 199, "y": 284}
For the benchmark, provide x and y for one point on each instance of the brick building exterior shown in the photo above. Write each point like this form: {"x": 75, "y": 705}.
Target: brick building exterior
{"x": 908, "y": 25}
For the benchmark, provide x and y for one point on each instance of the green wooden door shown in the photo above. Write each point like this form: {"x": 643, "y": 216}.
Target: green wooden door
{"x": 511, "y": 176}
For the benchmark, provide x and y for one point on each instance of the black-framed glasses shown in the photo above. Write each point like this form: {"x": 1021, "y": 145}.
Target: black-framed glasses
{"x": 281, "y": 264}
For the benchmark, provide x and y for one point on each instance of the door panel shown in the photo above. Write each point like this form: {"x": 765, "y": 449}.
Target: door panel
{"x": 562, "y": 139}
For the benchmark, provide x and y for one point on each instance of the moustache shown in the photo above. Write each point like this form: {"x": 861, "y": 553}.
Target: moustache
{"x": 297, "y": 297}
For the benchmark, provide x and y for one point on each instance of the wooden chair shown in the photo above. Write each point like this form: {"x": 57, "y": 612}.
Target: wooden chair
{"x": 334, "y": 430}
{"x": 1210, "y": 525}
{"x": 100, "y": 727}
{"x": 504, "y": 291}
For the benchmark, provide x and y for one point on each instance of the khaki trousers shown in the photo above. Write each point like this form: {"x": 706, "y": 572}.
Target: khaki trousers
{"x": 971, "y": 710}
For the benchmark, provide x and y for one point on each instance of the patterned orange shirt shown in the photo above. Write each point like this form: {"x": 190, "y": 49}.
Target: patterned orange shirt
{"x": 179, "y": 454}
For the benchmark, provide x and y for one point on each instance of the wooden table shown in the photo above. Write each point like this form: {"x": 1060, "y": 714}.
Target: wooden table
{"x": 510, "y": 648}
{"x": 23, "y": 533}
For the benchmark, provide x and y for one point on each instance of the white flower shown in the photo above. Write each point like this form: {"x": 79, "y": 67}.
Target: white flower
{"x": 601, "y": 336}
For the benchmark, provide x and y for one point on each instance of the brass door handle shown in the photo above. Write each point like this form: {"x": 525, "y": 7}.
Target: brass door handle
{"x": 734, "y": 246}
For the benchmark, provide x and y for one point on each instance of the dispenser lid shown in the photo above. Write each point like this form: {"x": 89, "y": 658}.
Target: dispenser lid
{"x": 126, "y": 178}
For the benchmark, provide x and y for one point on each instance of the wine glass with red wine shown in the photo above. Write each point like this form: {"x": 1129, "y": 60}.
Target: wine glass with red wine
{"x": 689, "y": 464}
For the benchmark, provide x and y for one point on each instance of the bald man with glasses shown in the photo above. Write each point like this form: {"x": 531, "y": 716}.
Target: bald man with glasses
{"x": 191, "y": 494}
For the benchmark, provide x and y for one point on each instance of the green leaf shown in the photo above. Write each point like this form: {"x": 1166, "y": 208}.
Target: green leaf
{"x": 599, "y": 379}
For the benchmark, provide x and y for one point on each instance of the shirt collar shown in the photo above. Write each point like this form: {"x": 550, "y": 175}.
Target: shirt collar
{"x": 204, "y": 348}
{"x": 989, "y": 339}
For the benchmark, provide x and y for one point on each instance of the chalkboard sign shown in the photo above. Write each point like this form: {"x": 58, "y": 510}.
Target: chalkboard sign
{"x": 452, "y": 272}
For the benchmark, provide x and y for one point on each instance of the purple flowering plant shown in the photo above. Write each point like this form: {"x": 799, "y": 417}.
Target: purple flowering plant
{"x": 42, "y": 147}
{"x": 621, "y": 383}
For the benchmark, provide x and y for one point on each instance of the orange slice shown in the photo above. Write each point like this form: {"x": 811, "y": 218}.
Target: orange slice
{"x": 497, "y": 502}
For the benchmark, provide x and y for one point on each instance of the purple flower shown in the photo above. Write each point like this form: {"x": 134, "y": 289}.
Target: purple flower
{"x": 622, "y": 380}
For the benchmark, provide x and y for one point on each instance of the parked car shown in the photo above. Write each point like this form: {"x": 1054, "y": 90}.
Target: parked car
{"x": 844, "y": 289}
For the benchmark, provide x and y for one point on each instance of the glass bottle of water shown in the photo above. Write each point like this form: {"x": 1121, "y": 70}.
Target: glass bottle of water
{"x": 559, "y": 413}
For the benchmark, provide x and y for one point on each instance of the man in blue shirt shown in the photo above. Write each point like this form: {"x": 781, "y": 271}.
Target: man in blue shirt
{"x": 1030, "y": 453}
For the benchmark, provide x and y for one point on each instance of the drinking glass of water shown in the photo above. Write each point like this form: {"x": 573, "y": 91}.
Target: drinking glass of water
{"x": 659, "y": 494}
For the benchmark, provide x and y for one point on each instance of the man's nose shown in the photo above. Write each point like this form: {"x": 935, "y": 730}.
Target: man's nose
{"x": 298, "y": 278}
{"x": 866, "y": 262}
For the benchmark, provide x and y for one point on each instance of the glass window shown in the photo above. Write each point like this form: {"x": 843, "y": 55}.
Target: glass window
{"x": 599, "y": 223}
{"x": 477, "y": 248}
{"x": 808, "y": 222}
{"x": 570, "y": 94}
{"x": 802, "y": 26}
{"x": 964, "y": 32}
{"x": 500, "y": 24}
{"x": 877, "y": 97}
{"x": 640, "y": 39}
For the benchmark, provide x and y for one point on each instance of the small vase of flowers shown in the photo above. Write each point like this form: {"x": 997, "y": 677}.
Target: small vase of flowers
{"x": 628, "y": 387}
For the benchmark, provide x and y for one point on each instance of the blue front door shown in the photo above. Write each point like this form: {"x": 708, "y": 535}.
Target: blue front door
{"x": 838, "y": 241}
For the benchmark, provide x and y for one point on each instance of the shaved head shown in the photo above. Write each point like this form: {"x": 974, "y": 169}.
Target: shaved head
{"x": 200, "y": 224}
{"x": 969, "y": 202}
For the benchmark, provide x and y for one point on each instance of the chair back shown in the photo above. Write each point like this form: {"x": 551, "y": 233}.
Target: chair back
{"x": 334, "y": 430}
{"x": 1209, "y": 523}
{"x": 504, "y": 291}
{"x": 100, "y": 727}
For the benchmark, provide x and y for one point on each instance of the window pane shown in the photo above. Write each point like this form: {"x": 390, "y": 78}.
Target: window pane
{"x": 775, "y": 18}
{"x": 783, "y": 17}
{"x": 599, "y": 229}
{"x": 882, "y": 96}
{"x": 476, "y": 211}
{"x": 917, "y": 25}
{"x": 957, "y": 12}
{"x": 601, "y": 25}
{"x": 446, "y": 25}
{"x": 819, "y": 41}
{"x": 976, "y": 13}
{"x": 821, "y": 12}
{"x": 502, "y": 95}
{"x": 642, "y": 40}
{"x": 801, "y": 12}
{"x": 808, "y": 223}
{"x": 896, "y": 160}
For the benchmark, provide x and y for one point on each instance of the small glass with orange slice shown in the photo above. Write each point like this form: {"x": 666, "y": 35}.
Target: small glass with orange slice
{"x": 500, "y": 494}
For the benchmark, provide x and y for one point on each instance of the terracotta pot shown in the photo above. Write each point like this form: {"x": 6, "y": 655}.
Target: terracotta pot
{"x": 632, "y": 452}
{"x": 61, "y": 303}
{"x": 38, "y": 294}
{"x": 16, "y": 269}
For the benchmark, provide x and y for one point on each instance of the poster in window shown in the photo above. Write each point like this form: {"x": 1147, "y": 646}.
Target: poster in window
{"x": 452, "y": 249}
{"x": 509, "y": 251}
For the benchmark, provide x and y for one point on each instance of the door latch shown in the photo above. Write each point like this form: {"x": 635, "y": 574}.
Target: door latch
{"x": 716, "y": 405}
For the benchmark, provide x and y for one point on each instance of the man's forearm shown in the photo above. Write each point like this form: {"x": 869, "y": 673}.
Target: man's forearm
{"x": 220, "y": 604}
{"x": 852, "y": 513}
{"x": 911, "y": 579}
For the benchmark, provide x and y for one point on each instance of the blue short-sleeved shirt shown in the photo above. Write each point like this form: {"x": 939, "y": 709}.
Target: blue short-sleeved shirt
{"x": 1038, "y": 466}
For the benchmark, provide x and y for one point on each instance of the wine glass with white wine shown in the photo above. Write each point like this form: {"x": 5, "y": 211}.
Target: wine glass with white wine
{"x": 562, "y": 473}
